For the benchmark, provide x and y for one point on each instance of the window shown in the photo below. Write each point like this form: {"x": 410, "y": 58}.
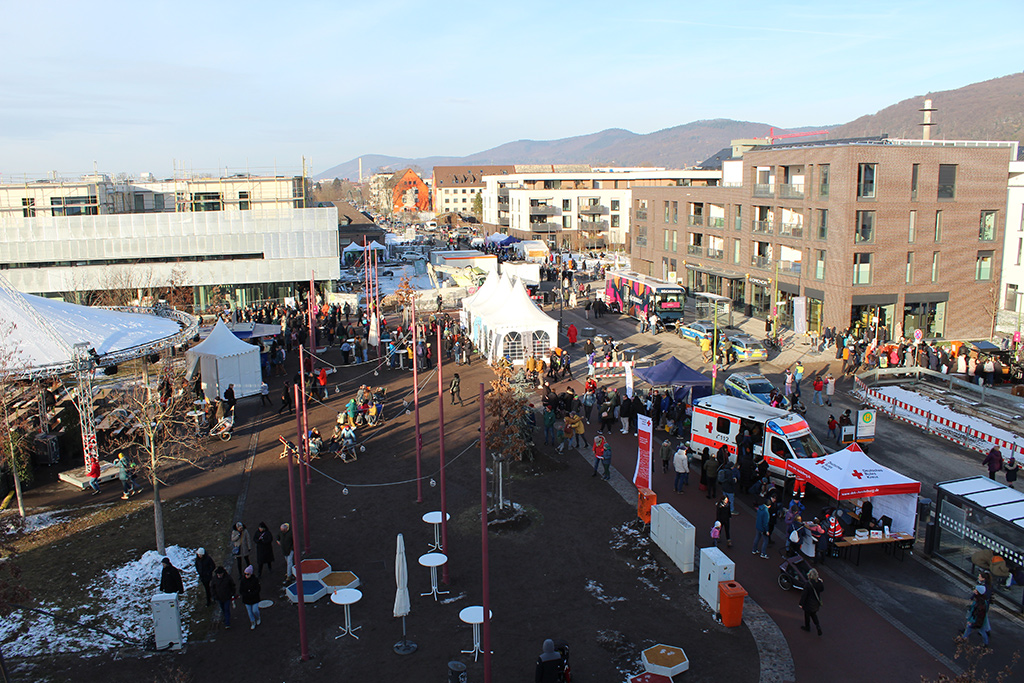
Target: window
{"x": 736, "y": 251}
{"x": 158, "y": 201}
{"x": 862, "y": 269}
{"x": 910, "y": 267}
{"x": 983, "y": 266}
{"x": 865, "y": 229}
{"x": 615, "y": 221}
{"x": 666, "y": 211}
{"x": 673, "y": 240}
{"x": 823, "y": 180}
{"x": 243, "y": 201}
{"x": 819, "y": 265}
{"x": 140, "y": 203}
{"x": 935, "y": 266}
{"x": 641, "y": 236}
{"x": 675, "y": 212}
{"x": 866, "y": 180}
{"x": 722, "y": 425}
{"x": 668, "y": 240}
{"x": 912, "y": 231}
{"x": 947, "y": 181}
{"x": 915, "y": 172}
{"x": 938, "y": 226}
{"x": 1011, "y": 298}
{"x": 1020, "y": 247}
{"x": 566, "y": 222}
{"x": 566, "y": 205}
{"x": 615, "y": 205}
{"x": 28, "y": 207}
{"x": 987, "y": 226}
{"x": 641, "y": 209}
{"x": 822, "y": 224}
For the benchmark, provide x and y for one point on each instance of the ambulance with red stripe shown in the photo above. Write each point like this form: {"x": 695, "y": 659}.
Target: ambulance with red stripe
{"x": 778, "y": 435}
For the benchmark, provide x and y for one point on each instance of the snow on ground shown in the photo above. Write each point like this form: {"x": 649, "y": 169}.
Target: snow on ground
{"x": 117, "y": 602}
{"x": 928, "y": 404}
{"x": 597, "y": 590}
{"x": 42, "y": 520}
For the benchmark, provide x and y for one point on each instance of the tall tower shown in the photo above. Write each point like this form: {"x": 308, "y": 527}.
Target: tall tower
{"x": 926, "y": 124}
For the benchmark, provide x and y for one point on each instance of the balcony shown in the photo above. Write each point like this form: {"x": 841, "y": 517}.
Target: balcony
{"x": 791, "y": 191}
{"x": 716, "y": 253}
{"x": 503, "y": 202}
{"x": 503, "y": 221}
{"x": 502, "y": 193}
{"x": 594, "y": 226}
{"x": 763, "y": 262}
{"x": 762, "y": 227}
{"x": 695, "y": 220}
{"x": 764, "y": 189}
{"x": 791, "y": 229}
{"x": 694, "y": 250}
{"x": 716, "y": 222}
{"x": 545, "y": 227}
{"x": 593, "y": 210}
{"x": 542, "y": 210}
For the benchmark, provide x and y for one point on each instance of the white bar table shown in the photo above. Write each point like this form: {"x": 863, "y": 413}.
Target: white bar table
{"x": 347, "y": 597}
{"x": 433, "y": 560}
{"x": 474, "y": 615}
{"x": 435, "y": 519}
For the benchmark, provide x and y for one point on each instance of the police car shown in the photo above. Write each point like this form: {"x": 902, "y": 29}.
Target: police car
{"x": 748, "y": 348}
{"x": 750, "y": 386}
{"x": 702, "y": 329}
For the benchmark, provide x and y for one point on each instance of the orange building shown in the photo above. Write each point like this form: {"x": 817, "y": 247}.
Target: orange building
{"x": 408, "y": 192}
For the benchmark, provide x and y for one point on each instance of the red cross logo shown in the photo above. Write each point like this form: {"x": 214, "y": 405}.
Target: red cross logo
{"x": 709, "y": 427}
{"x": 819, "y": 462}
{"x": 857, "y": 474}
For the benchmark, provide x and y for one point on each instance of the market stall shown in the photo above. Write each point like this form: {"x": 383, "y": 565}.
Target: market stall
{"x": 850, "y": 475}
{"x": 223, "y": 359}
{"x": 686, "y": 383}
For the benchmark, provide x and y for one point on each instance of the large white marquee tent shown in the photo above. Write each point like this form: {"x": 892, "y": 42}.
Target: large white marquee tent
{"x": 223, "y": 359}
{"x": 519, "y": 328}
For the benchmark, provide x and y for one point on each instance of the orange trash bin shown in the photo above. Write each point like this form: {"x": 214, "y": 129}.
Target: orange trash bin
{"x": 730, "y": 603}
{"x": 647, "y": 500}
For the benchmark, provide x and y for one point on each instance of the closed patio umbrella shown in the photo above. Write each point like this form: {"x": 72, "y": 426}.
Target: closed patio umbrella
{"x": 404, "y": 646}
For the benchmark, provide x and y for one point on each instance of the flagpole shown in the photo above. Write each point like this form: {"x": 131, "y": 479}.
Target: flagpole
{"x": 440, "y": 430}
{"x": 416, "y": 405}
{"x": 485, "y": 563}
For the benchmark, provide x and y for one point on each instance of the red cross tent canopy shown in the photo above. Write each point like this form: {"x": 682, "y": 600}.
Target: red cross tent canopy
{"x": 850, "y": 474}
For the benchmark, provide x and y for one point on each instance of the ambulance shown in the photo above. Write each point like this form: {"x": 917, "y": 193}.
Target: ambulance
{"x": 778, "y": 435}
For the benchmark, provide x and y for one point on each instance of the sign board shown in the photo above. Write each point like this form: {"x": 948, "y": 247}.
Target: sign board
{"x": 800, "y": 315}
{"x": 847, "y": 435}
{"x": 642, "y": 474}
{"x": 1016, "y": 337}
{"x": 918, "y": 334}
{"x": 629, "y": 380}
{"x": 866, "y": 425}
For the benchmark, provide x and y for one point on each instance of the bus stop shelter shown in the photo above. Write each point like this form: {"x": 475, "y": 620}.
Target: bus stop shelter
{"x": 709, "y": 304}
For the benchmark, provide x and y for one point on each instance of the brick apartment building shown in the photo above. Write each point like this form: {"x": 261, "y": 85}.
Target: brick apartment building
{"x": 908, "y": 230}
{"x": 455, "y": 187}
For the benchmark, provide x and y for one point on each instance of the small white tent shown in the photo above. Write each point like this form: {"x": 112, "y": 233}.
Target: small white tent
{"x": 482, "y": 308}
{"x": 519, "y": 328}
{"x": 224, "y": 359}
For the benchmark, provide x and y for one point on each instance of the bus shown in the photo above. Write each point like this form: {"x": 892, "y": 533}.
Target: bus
{"x": 640, "y": 295}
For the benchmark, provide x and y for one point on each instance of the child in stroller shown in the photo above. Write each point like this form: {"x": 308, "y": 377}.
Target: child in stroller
{"x": 794, "y": 567}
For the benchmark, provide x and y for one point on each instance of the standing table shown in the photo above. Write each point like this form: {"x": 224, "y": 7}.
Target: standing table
{"x": 435, "y": 519}
{"x": 433, "y": 560}
{"x": 474, "y": 615}
{"x": 346, "y": 597}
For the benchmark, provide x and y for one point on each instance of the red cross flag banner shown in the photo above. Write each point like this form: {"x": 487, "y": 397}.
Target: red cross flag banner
{"x": 642, "y": 475}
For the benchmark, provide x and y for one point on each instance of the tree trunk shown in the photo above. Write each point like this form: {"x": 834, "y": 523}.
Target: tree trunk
{"x": 17, "y": 487}
{"x": 158, "y": 517}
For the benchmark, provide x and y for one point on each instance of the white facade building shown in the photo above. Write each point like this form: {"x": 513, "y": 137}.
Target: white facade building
{"x": 1012, "y": 289}
{"x": 575, "y": 210}
{"x": 248, "y": 255}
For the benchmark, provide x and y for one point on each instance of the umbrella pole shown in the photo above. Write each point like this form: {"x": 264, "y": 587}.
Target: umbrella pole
{"x": 405, "y": 646}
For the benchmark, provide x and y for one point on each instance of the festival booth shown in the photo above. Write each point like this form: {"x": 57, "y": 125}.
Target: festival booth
{"x": 849, "y": 474}
{"x": 495, "y": 238}
{"x": 350, "y": 253}
{"x": 484, "y": 308}
{"x": 518, "y": 328}
{"x": 223, "y": 359}
{"x": 477, "y": 297}
{"x": 686, "y": 383}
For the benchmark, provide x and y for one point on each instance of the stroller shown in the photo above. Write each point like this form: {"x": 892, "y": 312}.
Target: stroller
{"x": 561, "y": 672}
{"x": 793, "y": 572}
{"x": 222, "y": 430}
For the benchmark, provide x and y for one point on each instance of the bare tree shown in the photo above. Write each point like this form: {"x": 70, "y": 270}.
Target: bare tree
{"x": 508, "y": 432}
{"x": 972, "y": 656}
{"x": 160, "y": 432}
{"x": 13, "y": 440}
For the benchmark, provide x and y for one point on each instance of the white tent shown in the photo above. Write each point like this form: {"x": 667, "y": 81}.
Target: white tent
{"x": 376, "y": 246}
{"x": 482, "y": 308}
{"x": 480, "y": 295}
{"x": 225, "y": 359}
{"x": 352, "y": 247}
{"x": 495, "y": 238}
{"x": 518, "y": 328}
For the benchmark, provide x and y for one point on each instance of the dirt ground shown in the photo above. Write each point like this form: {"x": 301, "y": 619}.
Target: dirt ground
{"x": 581, "y": 569}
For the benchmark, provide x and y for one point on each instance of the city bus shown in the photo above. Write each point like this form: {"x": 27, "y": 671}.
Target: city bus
{"x": 640, "y": 295}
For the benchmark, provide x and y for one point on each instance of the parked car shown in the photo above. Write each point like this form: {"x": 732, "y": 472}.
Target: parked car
{"x": 695, "y": 331}
{"x": 746, "y": 347}
{"x": 750, "y": 386}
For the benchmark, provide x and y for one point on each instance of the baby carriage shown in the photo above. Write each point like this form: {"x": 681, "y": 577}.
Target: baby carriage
{"x": 793, "y": 572}
{"x": 222, "y": 430}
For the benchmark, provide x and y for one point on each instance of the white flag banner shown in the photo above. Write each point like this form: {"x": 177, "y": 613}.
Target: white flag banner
{"x": 629, "y": 380}
{"x": 374, "y": 338}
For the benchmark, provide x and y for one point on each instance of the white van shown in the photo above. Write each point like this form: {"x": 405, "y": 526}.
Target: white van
{"x": 779, "y": 435}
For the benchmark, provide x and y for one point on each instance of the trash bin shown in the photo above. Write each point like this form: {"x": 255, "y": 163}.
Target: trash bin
{"x": 924, "y": 511}
{"x": 646, "y": 500}
{"x": 730, "y": 603}
{"x": 629, "y": 355}
{"x": 456, "y": 672}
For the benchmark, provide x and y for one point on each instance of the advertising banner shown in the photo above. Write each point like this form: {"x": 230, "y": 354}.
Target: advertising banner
{"x": 629, "y": 380}
{"x": 642, "y": 475}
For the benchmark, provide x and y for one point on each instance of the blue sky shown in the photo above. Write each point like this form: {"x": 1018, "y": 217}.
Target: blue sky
{"x": 141, "y": 86}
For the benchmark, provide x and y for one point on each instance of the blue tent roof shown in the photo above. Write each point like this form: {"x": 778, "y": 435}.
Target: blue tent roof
{"x": 672, "y": 373}
{"x": 509, "y": 240}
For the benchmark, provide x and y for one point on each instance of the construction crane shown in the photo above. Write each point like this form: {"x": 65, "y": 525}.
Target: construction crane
{"x": 772, "y": 137}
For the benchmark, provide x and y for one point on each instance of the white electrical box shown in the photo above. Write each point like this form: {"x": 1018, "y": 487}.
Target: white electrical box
{"x": 166, "y": 621}
{"x": 715, "y": 567}
{"x": 674, "y": 535}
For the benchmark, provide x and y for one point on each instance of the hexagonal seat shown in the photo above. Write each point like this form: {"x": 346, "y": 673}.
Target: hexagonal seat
{"x": 315, "y": 569}
{"x": 667, "y": 660}
{"x": 311, "y": 591}
{"x": 337, "y": 580}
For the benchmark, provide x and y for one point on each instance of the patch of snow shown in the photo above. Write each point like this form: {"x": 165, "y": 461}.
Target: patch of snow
{"x": 117, "y": 602}
{"x": 597, "y": 590}
{"x": 42, "y": 520}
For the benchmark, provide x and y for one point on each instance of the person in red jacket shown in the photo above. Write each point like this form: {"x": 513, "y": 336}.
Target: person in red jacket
{"x": 572, "y": 334}
{"x": 94, "y": 476}
{"x": 818, "y": 385}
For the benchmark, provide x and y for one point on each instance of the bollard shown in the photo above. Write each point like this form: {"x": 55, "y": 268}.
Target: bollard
{"x": 456, "y": 672}
{"x": 928, "y": 422}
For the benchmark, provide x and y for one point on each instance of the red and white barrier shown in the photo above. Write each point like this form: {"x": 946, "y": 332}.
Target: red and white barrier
{"x": 954, "y": 431}
{"x": 611, "y": 364}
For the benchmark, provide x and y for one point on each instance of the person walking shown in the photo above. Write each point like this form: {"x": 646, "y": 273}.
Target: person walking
{"x": 241, "y": 546}
{"x": 602, "y": 456}
{"x": 830, "y": 388}
{"x": 666, "y": 454}
{"x": 125, "y": 474}
{"x": 170, "y": 578}
{"x": 711, "y": 468}
{"x": 204, "y": 568}
{"x": 575, "y": 422}
{"x": 625, "y": 414}
{"x": 818, "y": 385}
{"x": 761, "y": 530}
{"x": 286, "y": 399}
{"x": 977, "y": 614}
{"x": 994, "y": 460}
{"x": 229, "y": 398}
{"x": 1011, "y": 467}
{"x": 810, "y": 601}
{"x": 264, "y": 541}
{"x": 265, "y": 395}
{"x": 222, "y": 586}
{"x": 681, "y": 465}
{"x": 284, "y": 542}
{"x": 455, "y": 388}
{"x": 724, "y": 515}
{"x": 94, "y": 476}
{"x": 249, "y": 590}
{"x": 549, "y": 425}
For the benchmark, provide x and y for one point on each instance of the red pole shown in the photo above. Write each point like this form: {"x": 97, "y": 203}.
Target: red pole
{"x": 366, "y": 275}
{"x": 300, "y": 419}
{"x": 312, "y": 313}
{"x": 303, "y": 643}
{"x": 416, "y": 408}
{"x": 486, "y": 584}
{"x": 440, "y": 430}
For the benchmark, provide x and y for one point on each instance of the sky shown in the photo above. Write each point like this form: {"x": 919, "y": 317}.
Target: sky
{"x": 153, "y": 86}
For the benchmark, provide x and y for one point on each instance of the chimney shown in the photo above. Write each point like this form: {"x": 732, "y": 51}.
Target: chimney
{"x": 926, "y": 124}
